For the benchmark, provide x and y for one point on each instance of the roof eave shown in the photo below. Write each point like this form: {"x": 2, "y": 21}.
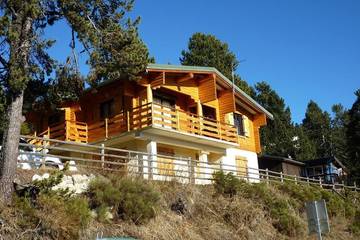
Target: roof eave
{"x": 217, "y": 72}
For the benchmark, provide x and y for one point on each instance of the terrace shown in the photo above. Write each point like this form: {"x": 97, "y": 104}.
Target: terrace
{"x": 151, "y": 115}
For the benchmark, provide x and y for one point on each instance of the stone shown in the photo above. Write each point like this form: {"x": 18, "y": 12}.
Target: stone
{"x": 45, "y": 176}
{"x": 36, "y": 178}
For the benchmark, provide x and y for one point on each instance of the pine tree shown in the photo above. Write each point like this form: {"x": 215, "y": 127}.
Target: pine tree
{"x": 206, "y": 50}
{"x": 304, "y": 148}
{"x": 110, "y": 40}
{"x": 277, "y": 137}
{"x": 339, "y": 147}
{"x": 316, "y": 125}
{"x": 353, "y": 139}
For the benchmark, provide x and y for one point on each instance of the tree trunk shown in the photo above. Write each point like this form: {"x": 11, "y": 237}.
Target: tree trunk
{"x": 10, "y": 147}
{"x": 18, "y": 63}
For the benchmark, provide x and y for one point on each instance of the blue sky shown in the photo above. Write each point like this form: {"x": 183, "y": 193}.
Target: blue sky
{"x": 305, "y": 49}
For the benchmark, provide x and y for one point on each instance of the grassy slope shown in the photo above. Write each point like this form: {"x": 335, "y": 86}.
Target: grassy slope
{"x": 258, "y": 211}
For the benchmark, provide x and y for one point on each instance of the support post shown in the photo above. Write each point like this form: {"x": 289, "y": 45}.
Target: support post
{"x": 102, "y": 152}
{"x": 307, "y": 180}
{"x": 177, "y": 120}
{"x": 87, "y": 133}
{"x": 44, "y": 151}
{"x": 152, "y": 157}
{"x": 267, "y": 175}
{"x": 203, "y": 167}
{"x": 67, "y": 130}
{"x": 191, "y": 171}
{"x": 295, "y": 178}
{"x": 128, "y": 120}
{"x": 200, "y": 115}
{"x": 320, "y": 182}
{"x": 281, "y": 177}
{"x": 106, "y": 128}
{"x": 152, "y": 114}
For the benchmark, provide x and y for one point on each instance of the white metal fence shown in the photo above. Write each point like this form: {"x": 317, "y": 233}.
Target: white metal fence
{"x": 39, "y": 152}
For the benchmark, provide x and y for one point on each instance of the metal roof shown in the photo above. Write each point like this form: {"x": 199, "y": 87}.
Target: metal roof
{"x": 280, "y": 159}
{"x": 211, "y": 70}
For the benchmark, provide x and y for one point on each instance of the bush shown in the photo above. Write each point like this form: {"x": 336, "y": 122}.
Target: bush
{"x": 226, "y": 184}
{"x": 63, "y": 219}
{"x": 133, "y": 200}
{"x": 53, "y": 215}
{"x": 103, "y": 192}
{"x": 138, "y": 200}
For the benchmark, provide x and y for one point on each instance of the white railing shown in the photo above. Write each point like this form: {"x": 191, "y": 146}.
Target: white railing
{"x": 152, "y": 167}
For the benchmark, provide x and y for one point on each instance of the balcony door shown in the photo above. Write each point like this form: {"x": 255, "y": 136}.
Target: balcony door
{"x": 164, "y": 114}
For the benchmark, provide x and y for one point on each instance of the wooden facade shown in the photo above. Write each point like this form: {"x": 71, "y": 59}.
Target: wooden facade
{"x": 189, "y": 101}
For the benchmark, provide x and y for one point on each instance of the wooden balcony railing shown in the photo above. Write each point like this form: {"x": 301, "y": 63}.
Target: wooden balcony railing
{"x": 150, "y": 114}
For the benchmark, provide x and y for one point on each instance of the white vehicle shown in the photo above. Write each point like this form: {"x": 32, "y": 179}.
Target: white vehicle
{"x": 31, "y": 158}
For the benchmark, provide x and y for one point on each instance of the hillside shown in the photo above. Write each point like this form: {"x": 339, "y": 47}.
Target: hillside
{"x": 230, "y": 209}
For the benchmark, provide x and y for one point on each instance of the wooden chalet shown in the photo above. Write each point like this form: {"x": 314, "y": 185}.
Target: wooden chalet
{"x": 185, "y": 111}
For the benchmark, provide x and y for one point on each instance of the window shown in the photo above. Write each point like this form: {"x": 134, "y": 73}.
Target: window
{"x": 239, "y": 124}
{"x": 106, "y": 109}
{"x": 54, "y": 119}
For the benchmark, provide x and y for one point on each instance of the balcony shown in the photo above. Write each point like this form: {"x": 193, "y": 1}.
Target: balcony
{"x": 145, "y": 116}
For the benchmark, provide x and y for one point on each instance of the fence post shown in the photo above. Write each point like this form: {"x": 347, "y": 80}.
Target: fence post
{"x": 152, "y": 114}
{"x": 43, "y": 152}
{"x": 177, "y": 120}
{"x": 343, "y": 184}
{"x": 281, "y": 177}
{"x": 320, "y": 182}
{"x": 190, "y": 170}
{"x": 106, "y": 128}
{"x": 307, "y": 180}
{"x": 150, "y": 165}
{"x": 219, "y": 129}
{"x": 267, "y": 175}
{"x": 102, "y": 152}
{"x": 87, "y": 133}
{"x": 128, "y": 120}
{"x": 295, "y": 178}
{"x": 355, "y": 186}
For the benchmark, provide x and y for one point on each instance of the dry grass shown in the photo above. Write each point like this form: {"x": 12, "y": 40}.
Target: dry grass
{"x": 206, "y": 216}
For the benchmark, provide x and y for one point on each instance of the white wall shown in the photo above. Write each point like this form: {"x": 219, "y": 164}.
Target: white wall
{"x": 252, "y": 162}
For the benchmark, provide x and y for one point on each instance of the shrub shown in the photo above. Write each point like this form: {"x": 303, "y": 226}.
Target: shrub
{"x": 278, "y": 207}
{"x": 63, "y": 218}
{"x": 26, "y": 212}
{"x": 138, "y": 201}
{"x": 52, "y": 215}
{"x": 226, "y": 184}
{"x": 103, "y": 192}
{"x": 133, "y": 200}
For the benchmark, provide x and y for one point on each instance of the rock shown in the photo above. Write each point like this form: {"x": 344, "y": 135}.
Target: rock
{"x": 36, "y": 177}
{"x": 45, "y": 176}
{"x": 77, "y": 183}
{"x": 179, "y": 206}
{"x": 108, "y": 215}
{"x": 93, "y": 214}
{"x": 79, "y": 179}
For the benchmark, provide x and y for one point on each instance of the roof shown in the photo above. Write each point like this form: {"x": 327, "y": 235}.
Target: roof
{"x": 217, "y": 72}
{"x": 325, "y": 160}
{"x": 280, "y": 159}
